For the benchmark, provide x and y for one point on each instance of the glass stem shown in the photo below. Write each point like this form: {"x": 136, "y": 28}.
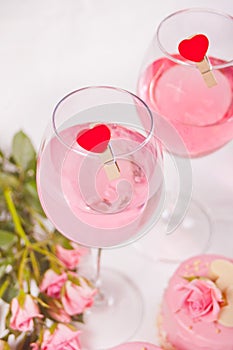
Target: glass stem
{"x": 97, "y": 281}
{"x": 100, "y": 297}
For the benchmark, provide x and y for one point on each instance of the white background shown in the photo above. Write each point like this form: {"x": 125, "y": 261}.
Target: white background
{"x": 51, "y": 47}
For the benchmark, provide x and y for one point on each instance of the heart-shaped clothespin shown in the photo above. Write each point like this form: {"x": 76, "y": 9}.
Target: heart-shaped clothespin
{"x": 97, "y": 140}
{"x": 194, "y": 49}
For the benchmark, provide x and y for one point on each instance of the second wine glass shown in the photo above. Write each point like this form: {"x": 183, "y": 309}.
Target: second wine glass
{"x": 200, "y": 115}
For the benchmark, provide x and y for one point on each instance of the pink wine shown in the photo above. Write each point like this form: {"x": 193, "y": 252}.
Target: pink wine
{"x": 84, "y": 204}
{"x": 202, "y": 116}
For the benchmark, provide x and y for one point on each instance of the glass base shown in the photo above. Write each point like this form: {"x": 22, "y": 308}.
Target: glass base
{"x": 116, "y": 314}
{"x": 191, "y": 237}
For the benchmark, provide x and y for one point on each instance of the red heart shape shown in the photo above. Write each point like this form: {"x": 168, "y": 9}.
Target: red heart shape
{"x": 95, "y": 139}
{"x": 194, "y": 48}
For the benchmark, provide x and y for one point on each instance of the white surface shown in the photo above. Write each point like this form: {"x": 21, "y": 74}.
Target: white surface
{"x": 51, "y": 47}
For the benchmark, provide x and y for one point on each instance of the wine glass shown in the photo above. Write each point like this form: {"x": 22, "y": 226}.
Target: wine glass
{"x": 174, "y": 88}
{"x": 100, "y": 182}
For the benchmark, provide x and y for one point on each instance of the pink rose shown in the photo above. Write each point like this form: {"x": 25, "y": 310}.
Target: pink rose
{"x": 201, "y": 299}
{"x": 77, "y": 298}
{"x": 70, "y": 257}
{"x": 22, "y": 316}
{"x": 63, "y": 338}
{"x": 58, "y": 313}
{"x": 52, "y": 283}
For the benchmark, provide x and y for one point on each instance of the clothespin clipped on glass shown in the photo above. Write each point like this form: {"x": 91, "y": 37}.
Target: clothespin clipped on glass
{"x": 194, "y": 49}
{"x": 97, "y": 140}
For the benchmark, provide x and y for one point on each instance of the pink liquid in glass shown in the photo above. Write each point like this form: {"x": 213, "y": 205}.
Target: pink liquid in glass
{"x": 84, "y": 204}
{"x": 202, "y": 116}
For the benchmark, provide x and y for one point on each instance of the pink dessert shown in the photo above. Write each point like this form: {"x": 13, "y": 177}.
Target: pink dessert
{"x": 197, "y": 308}
{"x": 136, "y": 346}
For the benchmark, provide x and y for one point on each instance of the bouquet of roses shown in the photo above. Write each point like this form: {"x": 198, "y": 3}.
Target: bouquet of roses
{"x": 41, "y": 290}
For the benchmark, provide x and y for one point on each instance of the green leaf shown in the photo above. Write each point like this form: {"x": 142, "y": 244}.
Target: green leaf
{"x": 6, "y": 261}
{"x": 73, "y": 279}
{"x": 3, "y": 287}
{"x": 30, "y": 188}
{"x": 44, "y": 265}
{"x": 53, "y": 328}
{"x": 35, "y": 266}
{"x": 42, "y": 303}
{"x": 71, "y": 326}
{"x": 8, "y": 180}
{"x": 31, "y": 197}
{"x": 62, "y": 240}
{"x": 21, "y": 298}
{"x": 2, "y": 272}
{"x": 23, "y": 151}
{"x": 7, "y": 239}
{"x": 190, "y": 278}
{"x": 78, "y": 318}
{"x": 10, "y": 293}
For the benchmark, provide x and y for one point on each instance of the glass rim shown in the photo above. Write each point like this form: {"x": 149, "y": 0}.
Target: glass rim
{"x": 194, "y": 9}
{"x": 81, "y": 150}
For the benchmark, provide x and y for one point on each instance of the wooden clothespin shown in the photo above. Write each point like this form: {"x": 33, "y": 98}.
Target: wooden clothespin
{"x": 205, "y": 70}
{"x": 110, "y": 165}
{"x": 194, "y": 49}
{"x": 97, "y": 140}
